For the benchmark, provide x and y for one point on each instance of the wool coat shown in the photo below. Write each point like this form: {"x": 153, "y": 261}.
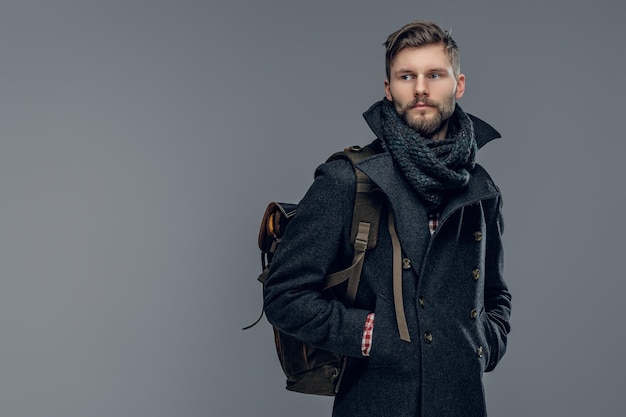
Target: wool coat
{"x": 455, "y": 300}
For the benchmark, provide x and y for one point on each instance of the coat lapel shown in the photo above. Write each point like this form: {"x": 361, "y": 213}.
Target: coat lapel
{"x": 480, "y": 187}
{"x": 410, "y": 216}
{"x": 411, "y": 220}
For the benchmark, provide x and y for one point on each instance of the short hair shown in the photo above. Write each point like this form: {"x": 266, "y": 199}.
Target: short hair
{"x": 421, "y": 33}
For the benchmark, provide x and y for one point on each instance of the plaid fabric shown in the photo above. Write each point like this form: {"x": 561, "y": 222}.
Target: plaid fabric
{"x": 433, "y": 222}
{"x": 368, "y": 329}
{"x": 366, "y": 342}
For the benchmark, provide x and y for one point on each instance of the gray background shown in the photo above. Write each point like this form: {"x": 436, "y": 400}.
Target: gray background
{"x": 141, "y": 140}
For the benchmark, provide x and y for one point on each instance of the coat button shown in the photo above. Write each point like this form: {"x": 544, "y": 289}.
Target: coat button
{"x": 476, "y": 274}
{"x": 428, "y": 338}
{"x": 474, "y": 313}
{"x": 480, "y": 351}
{"x": 421, "y": 302}
{"x": 406, "y": 263}
{"x": 478, "y": 236}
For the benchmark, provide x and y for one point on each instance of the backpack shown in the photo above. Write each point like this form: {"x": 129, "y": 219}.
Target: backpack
{"x": 308, "y": 369}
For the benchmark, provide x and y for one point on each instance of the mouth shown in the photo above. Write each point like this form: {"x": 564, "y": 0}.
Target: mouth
{"x": 421, "y": 106}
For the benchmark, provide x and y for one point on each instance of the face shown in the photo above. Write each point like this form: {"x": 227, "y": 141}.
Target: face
{"x": 424, "y": 89}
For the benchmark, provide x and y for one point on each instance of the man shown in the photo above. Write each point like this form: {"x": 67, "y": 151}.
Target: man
{"x": 448, "y": 220}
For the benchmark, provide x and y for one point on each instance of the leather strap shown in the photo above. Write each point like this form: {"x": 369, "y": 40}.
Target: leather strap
{"x": 403, "y": 328}
{"x": 353, "y": 272}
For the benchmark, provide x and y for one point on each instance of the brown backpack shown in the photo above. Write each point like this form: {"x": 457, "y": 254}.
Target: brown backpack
{"x": 308, "y": 369}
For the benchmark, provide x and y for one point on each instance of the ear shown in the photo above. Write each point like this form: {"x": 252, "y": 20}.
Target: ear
{"x": 460, "y": 86}
{"x": 388, "y": 90}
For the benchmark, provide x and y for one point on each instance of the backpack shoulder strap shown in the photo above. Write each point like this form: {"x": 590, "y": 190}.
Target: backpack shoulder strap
{"x": 364, "y": 234}
{"x": 368, "y": 198}
{"x": 368, "y": 203}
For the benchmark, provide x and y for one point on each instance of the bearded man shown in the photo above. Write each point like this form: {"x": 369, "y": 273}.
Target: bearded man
{"x": 421, "y": 349}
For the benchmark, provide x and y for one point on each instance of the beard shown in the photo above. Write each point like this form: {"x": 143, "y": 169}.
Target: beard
{"x": 428, "y": 126}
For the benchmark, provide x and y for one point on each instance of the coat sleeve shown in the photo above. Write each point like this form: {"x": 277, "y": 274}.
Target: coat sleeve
{"x": 313, "y": 245}
{"x": 497, "y": 295}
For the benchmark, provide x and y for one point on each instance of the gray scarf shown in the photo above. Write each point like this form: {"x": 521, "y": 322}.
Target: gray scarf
{"x": 434, "y": 167}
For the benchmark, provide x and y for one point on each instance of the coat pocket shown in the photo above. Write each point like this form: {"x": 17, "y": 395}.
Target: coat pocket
{"x": 388, "y": 350}
{"x": 487, "y": 339}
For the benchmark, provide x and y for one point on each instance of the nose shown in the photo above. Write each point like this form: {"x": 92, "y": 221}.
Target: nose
{"x": 421, "y": 88}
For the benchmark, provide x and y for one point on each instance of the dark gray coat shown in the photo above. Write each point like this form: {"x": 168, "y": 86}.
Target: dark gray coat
{"x": 456, "y": 302}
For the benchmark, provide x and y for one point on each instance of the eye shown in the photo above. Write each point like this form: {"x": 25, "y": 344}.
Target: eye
{"x": 407, "y": 77}
{"x": 436, "y": 75}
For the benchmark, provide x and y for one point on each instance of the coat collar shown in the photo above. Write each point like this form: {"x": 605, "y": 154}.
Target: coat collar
{"x": 483, "y": 131}
{"x": 410, "y": 215}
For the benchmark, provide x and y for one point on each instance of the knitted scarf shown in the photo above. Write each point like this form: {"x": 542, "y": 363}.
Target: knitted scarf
{"x": 434, "y": 167}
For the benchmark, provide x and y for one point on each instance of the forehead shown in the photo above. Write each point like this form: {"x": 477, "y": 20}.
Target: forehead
{"x": 422, "y": 57}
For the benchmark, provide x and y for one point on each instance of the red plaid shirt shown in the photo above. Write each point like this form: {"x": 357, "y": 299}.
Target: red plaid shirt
{"x": 368, "y": 329}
